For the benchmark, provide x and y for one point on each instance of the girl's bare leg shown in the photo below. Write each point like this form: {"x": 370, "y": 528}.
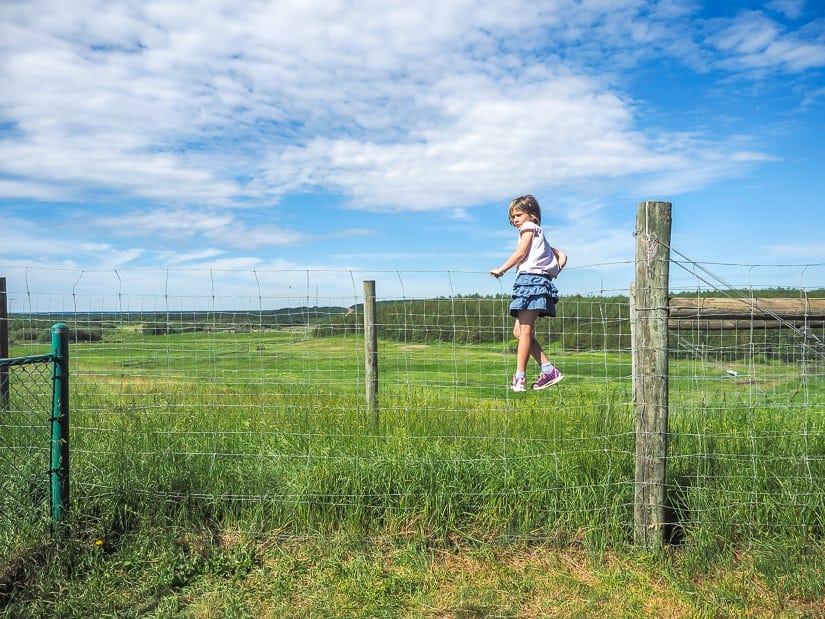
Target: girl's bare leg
{"x": 527, "y": 343}
{"x": 536, "y": 351}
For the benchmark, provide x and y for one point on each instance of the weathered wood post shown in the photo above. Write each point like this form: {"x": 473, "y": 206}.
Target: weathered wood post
{"x": 370, "y": 348}
{"x": 649, "y": 313}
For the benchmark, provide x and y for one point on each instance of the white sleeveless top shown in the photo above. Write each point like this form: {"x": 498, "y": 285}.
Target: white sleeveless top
{"x": 540, "y": 258}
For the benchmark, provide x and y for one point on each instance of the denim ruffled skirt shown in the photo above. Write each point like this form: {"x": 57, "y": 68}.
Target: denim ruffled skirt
{"x": 534, "y": 291}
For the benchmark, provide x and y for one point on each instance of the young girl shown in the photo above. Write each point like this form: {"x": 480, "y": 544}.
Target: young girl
{"x": 534, "y": 294}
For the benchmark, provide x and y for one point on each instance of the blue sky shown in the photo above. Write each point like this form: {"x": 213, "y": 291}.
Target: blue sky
{"x": 145, "y": 136}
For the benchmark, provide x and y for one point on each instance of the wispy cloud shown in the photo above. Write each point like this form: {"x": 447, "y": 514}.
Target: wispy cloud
{"x": 792, "y": 9}
{"x": 171, "y": 223}
{"x": 186, "y": 224}
{"x": 813, "y": 251}
{"x": 25, "y": 238}
{"x": 753, "y": 41}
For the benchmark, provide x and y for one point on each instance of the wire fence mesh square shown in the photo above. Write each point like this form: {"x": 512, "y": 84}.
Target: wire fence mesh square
{"x": 25, "y": 457}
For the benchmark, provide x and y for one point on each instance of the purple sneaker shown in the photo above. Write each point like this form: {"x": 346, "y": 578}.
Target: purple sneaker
{"x": 546, "y": 380}
{"x": 518, "y": 384}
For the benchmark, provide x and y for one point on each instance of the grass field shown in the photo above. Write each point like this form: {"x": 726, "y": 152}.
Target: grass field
{"x": 241, "y": 474}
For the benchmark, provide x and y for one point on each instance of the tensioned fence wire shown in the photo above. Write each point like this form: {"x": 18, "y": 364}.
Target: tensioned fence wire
{"x": 247, "y": 388}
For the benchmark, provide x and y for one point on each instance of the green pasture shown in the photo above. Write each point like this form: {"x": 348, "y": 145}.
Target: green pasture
{"x": 270, "y": 431}
{"x": 264, "y": 438}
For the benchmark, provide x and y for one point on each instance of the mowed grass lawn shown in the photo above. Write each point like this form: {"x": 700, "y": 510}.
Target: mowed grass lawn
{"x": 235, "y": 474}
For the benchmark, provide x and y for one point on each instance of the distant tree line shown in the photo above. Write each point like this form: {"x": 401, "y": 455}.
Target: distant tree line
{"x": 582, "y": 323}
{"x": 96, "y": 326}
{"x": 23, "y": 331}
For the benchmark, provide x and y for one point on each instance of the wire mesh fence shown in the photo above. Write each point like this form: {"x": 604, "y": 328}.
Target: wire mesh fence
{"x": 241, "y": 395}
{"x": 747, "y": 400}
{"x": 25, "y": 459}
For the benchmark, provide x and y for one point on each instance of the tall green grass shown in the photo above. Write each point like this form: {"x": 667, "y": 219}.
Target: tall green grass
{"x": 269, "y": 432}
{"x": 434, "y": 462}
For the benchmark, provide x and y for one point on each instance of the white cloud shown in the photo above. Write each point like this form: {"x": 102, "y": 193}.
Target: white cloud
{"x": 173, "y": 258}
{"x": 495, "y": 137}
{"x": 172, "y": 223}
{"x": 190, "y": 224}
{"x": 755, "y": 42}
{"x": 792, "y": 9}
{"x": 813, "y": 251}
{"x": 180, "y": 102}
{"x": 22, "y": 237}
{"x": 31, "y": 189}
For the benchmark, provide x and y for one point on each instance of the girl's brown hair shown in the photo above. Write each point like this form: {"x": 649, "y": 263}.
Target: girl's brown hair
{"x": 526, "y": 204}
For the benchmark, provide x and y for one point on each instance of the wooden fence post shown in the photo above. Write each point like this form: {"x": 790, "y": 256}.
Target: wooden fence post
{"x": 370, "y": 348}
{"x": 649, "y": 312}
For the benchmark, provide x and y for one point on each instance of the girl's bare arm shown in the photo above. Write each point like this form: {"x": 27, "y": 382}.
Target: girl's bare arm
{"x": 522, "y": 249}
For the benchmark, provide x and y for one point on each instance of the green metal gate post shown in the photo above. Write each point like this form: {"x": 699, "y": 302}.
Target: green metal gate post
{"x": 60, "y": 421}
